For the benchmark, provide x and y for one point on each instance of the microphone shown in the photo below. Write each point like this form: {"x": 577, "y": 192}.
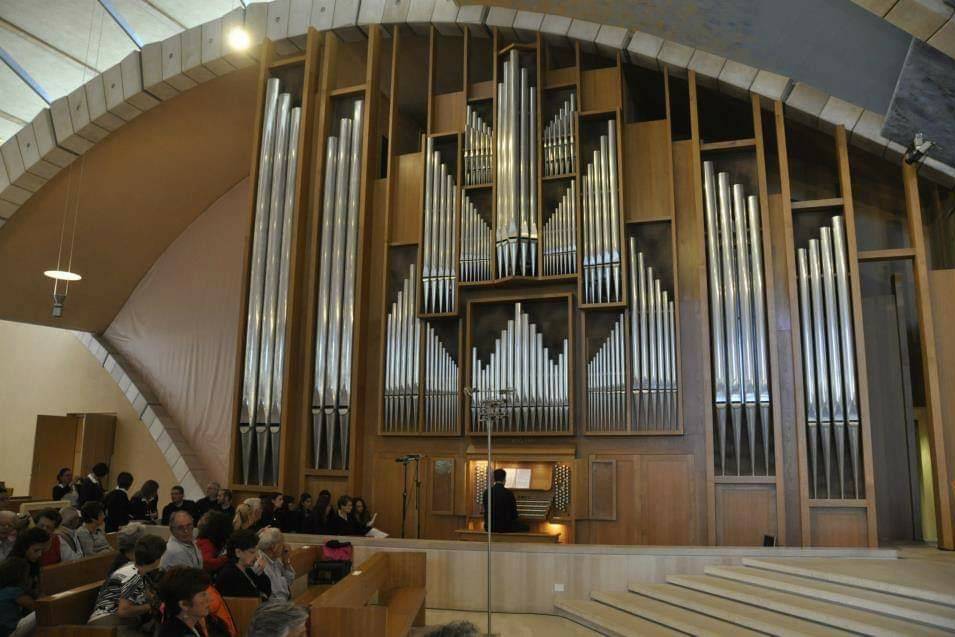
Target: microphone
{"x": 409, "y": 457}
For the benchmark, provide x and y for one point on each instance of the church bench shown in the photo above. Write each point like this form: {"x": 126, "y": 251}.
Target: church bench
{"x": 397, "y": 579}
{"x": 471, "y": 535}
{"x": 64, "y": 576}
{"x": 65, "y": 614}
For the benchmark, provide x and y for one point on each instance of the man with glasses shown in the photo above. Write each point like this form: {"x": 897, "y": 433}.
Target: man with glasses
{"x": 181, "y": 547}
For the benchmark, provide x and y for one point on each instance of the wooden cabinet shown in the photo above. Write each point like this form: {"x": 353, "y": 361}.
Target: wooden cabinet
{"x": 77, "y": 441}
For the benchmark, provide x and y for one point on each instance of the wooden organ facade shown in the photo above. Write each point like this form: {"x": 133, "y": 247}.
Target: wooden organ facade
{"x": 630, "y": 253}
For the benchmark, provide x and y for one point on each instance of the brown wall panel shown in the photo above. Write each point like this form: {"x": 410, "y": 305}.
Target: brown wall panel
{"x": 600, "y": 89}
{"x": 406, "y": 209}
{"x": 745, "y": 513}
{"x": 648, "y": 171}
{"x": 942, "y": 283}
{"x": 838, "y": 526}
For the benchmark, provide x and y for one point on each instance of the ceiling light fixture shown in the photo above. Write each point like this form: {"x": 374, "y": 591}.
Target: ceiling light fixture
{"x": 239, "y": 39}
{"x": 62, "y": 275}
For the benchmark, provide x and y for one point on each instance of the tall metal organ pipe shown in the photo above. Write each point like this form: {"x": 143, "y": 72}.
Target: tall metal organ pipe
{"x": 829, "y": 368}
{"x": 477, "y": 149}
{"x": 438, "y": 268}
{"x": 601, "y": 223}
{"x": 477, "y": 241}
{"x": 516, "y": 192}
{"x": 560, "y": 154}
{"x": 440, "y": 386}
{"x": 738, "y": 326}
{"x": 559, "y": 237}
{"x": 402, "y": 354}
{"x": 520, "y": 362}
{"x": 607, "y": 383}
{"x": 264, "y": 360}
{"x": 331, "y": 401}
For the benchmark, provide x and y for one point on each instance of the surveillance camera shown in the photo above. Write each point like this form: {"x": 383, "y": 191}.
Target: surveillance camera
{"x": 918, "y": 149}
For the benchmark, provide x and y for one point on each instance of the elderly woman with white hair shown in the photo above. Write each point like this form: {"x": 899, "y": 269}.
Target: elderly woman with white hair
{"x": 278, "y": 569}
{"x": 278, "y": 619}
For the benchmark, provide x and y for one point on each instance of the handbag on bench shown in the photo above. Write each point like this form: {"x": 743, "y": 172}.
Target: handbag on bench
{"x": 335, "y": 563}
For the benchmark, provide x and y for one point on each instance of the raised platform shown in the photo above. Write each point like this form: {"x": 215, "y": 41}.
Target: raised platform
{"x": 470, "y": 535}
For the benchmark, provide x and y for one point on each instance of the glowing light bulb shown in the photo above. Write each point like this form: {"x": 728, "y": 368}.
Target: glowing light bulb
{"x": 62, "y": 275}
{"x": 239, "y": 39}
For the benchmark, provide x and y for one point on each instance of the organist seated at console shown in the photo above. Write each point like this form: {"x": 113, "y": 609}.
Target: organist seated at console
{"x": 503, "y": 507}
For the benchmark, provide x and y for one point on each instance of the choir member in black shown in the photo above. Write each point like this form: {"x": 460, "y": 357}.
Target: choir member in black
{"x": 503, "y": 507}
{"x": 360, "y": 514}
{"x": 210, "y": 501}
{"x": 64, "y": 489}
{"x": 144, "y": 505}
{"x": 301, "y": 513}
{"x": 271, "y": 502}
{"x": 225, "y": 502}
{"x": 92, "y": 487}
{"x": 241, "y": 576}
{"x": 177, "y": 495}
{"x": 341, "y": 521}
{"x": 117, "y": 503}
{"x": 317, "y": 521}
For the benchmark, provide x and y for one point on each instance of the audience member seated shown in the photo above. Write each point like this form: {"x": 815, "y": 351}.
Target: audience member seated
{"x": 91, "y": 488}
{"x": 279, "y": 570}
{"x": 30, "y": 545}
{"x": 317, "y": 521}
{"x": 503, "y": 507}
{"x": 128, "y": 600}
{"x": 342, "y": 523}
{"x": 8, "y": 532}
{"x": 255, "y": 506}
{"x": 4, "y": 496}
{"x": 178, "y": 502}
{"x": 271, "y": 502}
{"x": 455, "y": 629}
{"x": 126, "y": 539}
{"x": 17, "y": 616}
{"x": 242, "y": 518}
{"x": 285, "y": 515}
{"x": 91, "y": 536}
{"x": 243, "y": 575}
{"x": 116, "y": 503}
{"x": 210, "y": 501}
{"x": 225, "y": 502}
{"x": 214, "y": 532}
{"x": 181, "y": 548}
{"x": 64, "y": 489}
{"x": 303, "y": 512}
{"x": 278, "y": 619}
{"x": 183, "y": 592}
{"x": 362, "y": 518}
{"x": 143, "y": 506}
{"x": 70, "y": 520}
{"x": 59, "y": 551}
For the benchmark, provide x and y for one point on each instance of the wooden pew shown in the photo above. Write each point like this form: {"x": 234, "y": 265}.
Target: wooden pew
{"x": 64, "y": 576}
{"x": 471, "y": 535}
{"x": 65, "y": 614}
{"x": 398, "y": 578}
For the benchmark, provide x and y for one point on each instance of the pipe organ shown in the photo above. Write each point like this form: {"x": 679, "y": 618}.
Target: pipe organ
{"x": 403, "y": 334}
{"x": 559, "y": 237}
{"x": 477, "y": 149}
{"x": 516, "y": 171}
{"x": 559, "y": 143}
{"x": 441, "y": 385}
{"x": 601, "y": 223}
{"x": 737, "y": 324}
{"x": 260, "y": 419}
{"x": 477, "y": 241}
{"x": 607, "y": 383}
{"x": 331, "y": 401}
{"x": 438, "y": 272}
{"x": 828, "y": 340}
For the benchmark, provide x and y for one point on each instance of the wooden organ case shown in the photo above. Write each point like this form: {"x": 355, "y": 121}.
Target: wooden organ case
{"x": 618, "y": 248}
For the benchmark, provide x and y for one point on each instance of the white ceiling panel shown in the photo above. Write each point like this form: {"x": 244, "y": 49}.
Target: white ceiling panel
{"x": 192, "y": 12}
{"x": 148, "y": 23}
{"x": 57, "y": 74}
{"x": 8, "y": 129}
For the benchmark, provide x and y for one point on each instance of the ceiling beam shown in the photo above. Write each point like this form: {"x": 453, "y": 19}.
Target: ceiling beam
{"x": 120, "y": 20}
{"x": 7, "y": 59}
{"x": 165, "y": 14}
{"x": 16, "y": 29}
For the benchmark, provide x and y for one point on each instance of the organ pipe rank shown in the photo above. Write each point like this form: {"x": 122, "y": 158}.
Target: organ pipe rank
{"x": 559, "y": 238}
{"x": 403, "y": 343}
{"x": 737, "y": 320}
{"x": 601, "y": 223}
{"x": 559, "y": 144}
{"x": 477, "y": 240}
{"x": 264, "y": 364}
{"x": 438, "y": 271}
{"x": 477, "y": 149}
{"x": 331, "y": 403}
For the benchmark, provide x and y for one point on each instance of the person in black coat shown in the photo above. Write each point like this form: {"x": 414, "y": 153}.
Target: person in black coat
{"x": 316, "y": 521}
{"x": 341, "y": 522}
{"x": 209, "y": 502}
{"x": 238, "y": 577}
{"x": 64, "y": 487}
{"x": 117, "y": 503}
{"x": 92, "y": 487}
{"x": 178, "y": 502}
{"x": 144, "y": 504}
{"x": 503, "y": 507}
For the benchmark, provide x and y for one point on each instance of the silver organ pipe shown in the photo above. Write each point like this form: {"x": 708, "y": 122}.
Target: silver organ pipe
{"x": 331, "y": 402}
{"x": 738, "y": 326}
{"x": 653, "y": 357}
{"x": 559, "y": 142}
{"x": 829, "y": 369}
{"x": 607, "y": 383}
{"x": 440, "y": 386}
{"x": 402, "y": 352}
{"x": 477, "y": 240}
{"x": 264, "y": 360}
{"x": 559, "y": 236}
{"x": 601, "y": 223}
{"x": 516, "y": 192}
{"x": 519, "y": 361}
{"x": 438, "y": 269}
{"x": 477, "y": 149}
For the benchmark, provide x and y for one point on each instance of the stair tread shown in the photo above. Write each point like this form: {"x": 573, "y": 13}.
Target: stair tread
{"x": 922, "y": 579}
{"x": 915, "y": 609}
{"x": 605, "y": 618}
{"x": 736, "y": 612}
{"x": 677, "y": 618}
{"x": 843, "y": 617}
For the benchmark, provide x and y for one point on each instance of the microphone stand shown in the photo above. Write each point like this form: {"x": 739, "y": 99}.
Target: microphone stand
{"x": 404, "y": 496}
{"x": 417, "y": 498}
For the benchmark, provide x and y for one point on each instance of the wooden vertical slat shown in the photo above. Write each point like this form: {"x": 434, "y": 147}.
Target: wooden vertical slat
{"x": 923, "y": 302}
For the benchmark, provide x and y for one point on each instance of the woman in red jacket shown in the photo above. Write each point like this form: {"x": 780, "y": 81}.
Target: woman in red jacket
{"x": 213, "y": 534}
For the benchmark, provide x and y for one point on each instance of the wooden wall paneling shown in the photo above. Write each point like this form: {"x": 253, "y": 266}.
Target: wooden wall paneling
{"x": 769, "y": 278}
{"x": 943, "y": 306}
{"x": 648, "y": 175}
{"x": 668, "y": 487}
{"x": 602, "y": 496}
{"x": 600, "y": 89}
{"x": 746, "y": 513}
{"x": 235, "y": 462}
{"x": 694, "y": 236}
{"x": 443, "y": 486}
{"x": 95, "y": 434}
{"x": 845, "y": 188}
{"x": 786, "y": 221}
{"x": 943, "y": 503}
{"x": 839, "y": 526}
{"x": 54, "y": 446}
{"x": 404, "y": 210}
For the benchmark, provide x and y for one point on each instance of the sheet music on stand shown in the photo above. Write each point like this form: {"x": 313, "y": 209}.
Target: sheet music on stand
{"x": 518, "y": 478}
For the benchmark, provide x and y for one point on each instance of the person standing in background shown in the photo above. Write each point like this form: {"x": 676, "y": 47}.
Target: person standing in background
{"x": 92, "y": 488}
{"x": 143, "y": 506}
{"x": 178, "y": 502}
{"x": 225, "y": 502}
{"x": 210, "y": 501}
{"x": 117, "y": 503}
{"x": 64, "y": 489}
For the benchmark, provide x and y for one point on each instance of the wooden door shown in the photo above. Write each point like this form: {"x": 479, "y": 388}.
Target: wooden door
{"x": 53, "y": 448}
{"x": 94, "y": 441}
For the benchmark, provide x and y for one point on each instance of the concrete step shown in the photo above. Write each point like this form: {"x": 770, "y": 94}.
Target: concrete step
{"x": 735, "y": 612}
{"x": 671, "y": 616}
{"x": 609, "y": 621}
{"x": 917, "y": 610}
{"x": 835, "y": 615}
{"x": 927, "y": 580}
